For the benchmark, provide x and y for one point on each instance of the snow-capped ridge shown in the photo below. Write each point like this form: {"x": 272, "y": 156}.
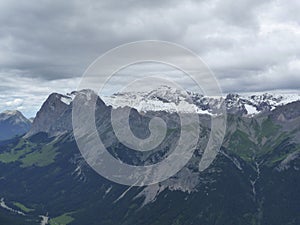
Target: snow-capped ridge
{"x": 165, "y": 98}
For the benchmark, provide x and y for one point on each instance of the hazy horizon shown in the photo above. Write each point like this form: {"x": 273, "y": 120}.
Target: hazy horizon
{"x": 32, "y": 112}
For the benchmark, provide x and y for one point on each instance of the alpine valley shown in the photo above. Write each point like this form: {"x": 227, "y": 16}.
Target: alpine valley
{"x": 254, "y": 180}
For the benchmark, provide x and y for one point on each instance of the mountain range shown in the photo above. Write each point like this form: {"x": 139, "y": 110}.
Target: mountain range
{"x": 170, "y": 99}
{"x": 254, "y": 179}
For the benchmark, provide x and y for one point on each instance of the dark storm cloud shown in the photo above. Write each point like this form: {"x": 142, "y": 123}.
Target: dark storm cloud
{"x": 46, "y": 45}
{"x": 55, "y": 39}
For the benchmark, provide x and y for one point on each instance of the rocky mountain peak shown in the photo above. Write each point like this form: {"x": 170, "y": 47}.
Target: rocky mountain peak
{"x": 12, "y": 123}
{"x": 12, "y": 113}
{"x": 14, "y": 116}
{"x": 53, "y": 116}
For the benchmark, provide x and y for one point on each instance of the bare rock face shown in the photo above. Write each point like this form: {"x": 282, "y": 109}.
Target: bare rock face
{"x": 54, "y": 117}
{"x": 289, "y": 111}
{"x": 13, "y": 123}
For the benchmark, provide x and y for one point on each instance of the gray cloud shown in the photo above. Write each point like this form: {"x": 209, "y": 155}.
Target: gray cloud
{"x": 46, "y": 45}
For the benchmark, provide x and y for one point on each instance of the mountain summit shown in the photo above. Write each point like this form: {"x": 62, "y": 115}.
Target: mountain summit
{"x": 12, "y": 123}
{"x": 53, "y": 117}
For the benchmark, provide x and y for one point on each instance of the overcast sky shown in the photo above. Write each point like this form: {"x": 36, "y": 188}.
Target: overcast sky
{"x": 46, "y": 45}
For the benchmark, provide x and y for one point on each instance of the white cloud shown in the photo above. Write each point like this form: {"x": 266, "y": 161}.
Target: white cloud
{"x": 14, "y": 103}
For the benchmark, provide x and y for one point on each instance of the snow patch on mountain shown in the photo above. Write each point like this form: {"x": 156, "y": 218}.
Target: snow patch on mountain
{"x": 251, "y": 109}
{"x": 66, "y": 99}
